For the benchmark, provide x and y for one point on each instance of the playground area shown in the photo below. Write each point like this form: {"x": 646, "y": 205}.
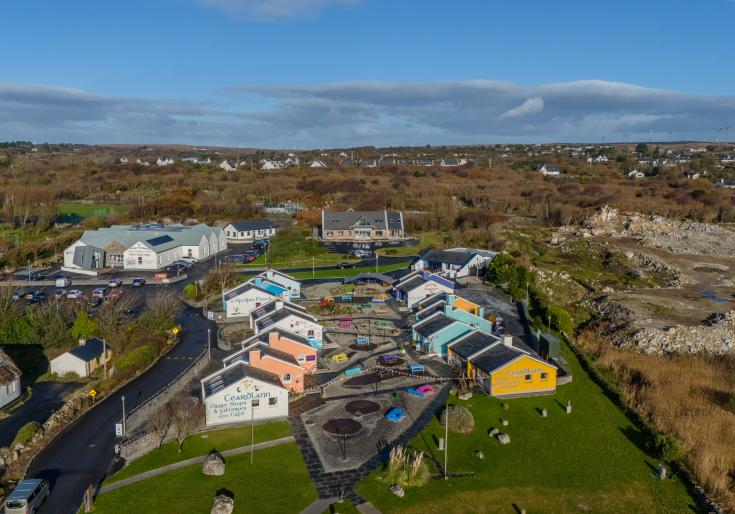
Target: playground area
{"x": 347, "y": 432}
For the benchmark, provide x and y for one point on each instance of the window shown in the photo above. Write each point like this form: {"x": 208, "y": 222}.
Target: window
{"x": 301, "y": 358}
{"x": 256, "y": 403}
{"x": 310, "y": 333}
{"x": 272, "y": 401}
{"x": 287, "y": 377}
{"x": 527, "y": 378}
{"x": 544, "y": 376}
{"x": 140, "y": 260}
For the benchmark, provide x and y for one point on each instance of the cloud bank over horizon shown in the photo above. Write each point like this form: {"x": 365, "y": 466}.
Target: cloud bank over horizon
{"x": 367, "y": 113}
{"x": 274, "y": 9}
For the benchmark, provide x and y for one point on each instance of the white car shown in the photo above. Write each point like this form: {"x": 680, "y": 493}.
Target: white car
{"x": 74, "y": 294}
{"x": 115, "y": 282}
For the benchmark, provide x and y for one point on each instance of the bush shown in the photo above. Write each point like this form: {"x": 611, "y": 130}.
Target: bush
{"x": 666, "y": 447}
{"x": 138, "y": 358}
{"x": 460, "y": 419}
{"x": 190, "y": 291}
{"x": 406, "y": 468}
{"x": 26, "y": 433}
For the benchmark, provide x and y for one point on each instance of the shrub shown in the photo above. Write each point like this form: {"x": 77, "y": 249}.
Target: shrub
{"x": 138, "y": 358}
{"x": 666, "y": 447}
{"x": 26, "y": 433}
{"x": 406, "y": 468}
{"x": 190, "y": 291}
{"x": 460, "y": 419}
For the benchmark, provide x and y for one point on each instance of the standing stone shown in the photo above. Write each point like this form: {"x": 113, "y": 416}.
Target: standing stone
{"x": 223, "y": 504}
{"x": 544, "y": 413}
{"x": 503, "y": 438}
{"x": 504, "y": 422}
{"x": 465, "y": 396}
{"x": 213, "y": 465}
{"x": 397, "y": 490}
{"x": 569, "y": 407}
{"x": 493, "y": 432}
{"x": 661, "y": 472}
{"x": 479, "y": 454}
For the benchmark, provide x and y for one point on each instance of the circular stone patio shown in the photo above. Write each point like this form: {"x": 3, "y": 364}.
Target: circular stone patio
{"x": 361, "y": 407}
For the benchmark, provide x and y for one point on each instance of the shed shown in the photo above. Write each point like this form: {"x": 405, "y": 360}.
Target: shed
{"x": 549, "y": 346}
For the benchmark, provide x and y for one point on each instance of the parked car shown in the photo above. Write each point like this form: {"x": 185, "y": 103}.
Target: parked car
{"x": 99, "y": 292}
{"x": 345, "y": 265}
{"x": 190, "y": 260}
{"x": 138, "y": 282}
{"x": 175, "y": 268}
{"x": 95, "y": 301}
{"x": 29, "y": 295}
{"x": 17, "y": 295}
{"x": 74, "y": 294}
{"x": 114, "y": 282}
{"x": 25, "y": 275}
{"x": 182, "y": 262}
{"x": 27, "y": 497}
{"x": 63, "y": 281}
{"x": 59, "y": 293}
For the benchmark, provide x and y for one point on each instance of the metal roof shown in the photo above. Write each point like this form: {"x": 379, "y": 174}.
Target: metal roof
{"x": 88, "y": 351}
{"x": 248, "y": 225}
{"x": 458, "y": 258}
{"x": 380, "y": 220}
{"x": 472, "y": 343}
{"x": 150, "y": 234}
{"x": 434, "y": 325}
{"x": 233, "y": 374}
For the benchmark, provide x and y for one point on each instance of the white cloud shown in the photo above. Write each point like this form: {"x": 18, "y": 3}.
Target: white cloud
{"x": 529, "y": 106}
{"x": 362, "y": 113}
{"x": 270, "y": 9}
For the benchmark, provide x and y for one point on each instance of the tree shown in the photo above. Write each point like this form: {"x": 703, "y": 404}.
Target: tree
{"x": 641, "y": 148}
{"x": 161, "y": 310}
{"x": 83, "y": 327}
{"x": 48, "y": 326}
{"x": 187, "y": 414}
{"x": 160, "y": 422}
{"x": 113, "y": 315}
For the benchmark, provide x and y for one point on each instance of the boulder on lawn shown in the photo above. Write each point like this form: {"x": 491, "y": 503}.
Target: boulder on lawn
{"x": 493, "y": 432}
{"x": 397, "y": 490}
{"x": 503, "y": 438}
{"x": 465, "y": 396}
{"x": 213, "y": 465}
{"x": 479, "y": 454}
{"x": 223, "y": 504}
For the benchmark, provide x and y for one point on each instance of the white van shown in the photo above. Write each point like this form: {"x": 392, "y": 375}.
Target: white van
{"x": 63, "y": 282}
{"x": 27, "y": 497}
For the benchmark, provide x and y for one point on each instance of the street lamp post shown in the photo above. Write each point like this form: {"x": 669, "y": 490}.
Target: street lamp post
{"x": 124, "y": 427}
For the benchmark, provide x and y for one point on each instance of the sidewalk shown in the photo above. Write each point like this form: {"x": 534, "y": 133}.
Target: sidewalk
{"x": 188, "y": 462}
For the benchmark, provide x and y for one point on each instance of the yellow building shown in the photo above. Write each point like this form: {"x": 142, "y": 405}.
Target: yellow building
{"x": 500, "y": 368}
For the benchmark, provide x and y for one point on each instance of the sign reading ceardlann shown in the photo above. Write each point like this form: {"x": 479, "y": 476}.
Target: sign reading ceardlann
{"x": 239, "y": 393}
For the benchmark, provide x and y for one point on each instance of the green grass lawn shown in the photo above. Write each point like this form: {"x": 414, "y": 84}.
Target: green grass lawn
{"x": 195, "y": 446}
{"x": 277, "y": 482}
{"x": 87, "y": 210}
{"x": 425, "y": 240}
{"x": 292, "y": 248}
{"x": 349, "y": 272}
{"x": 592, "y": 459}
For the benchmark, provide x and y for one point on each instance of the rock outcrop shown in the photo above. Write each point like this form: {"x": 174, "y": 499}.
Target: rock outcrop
{"x": 213, "y": 465}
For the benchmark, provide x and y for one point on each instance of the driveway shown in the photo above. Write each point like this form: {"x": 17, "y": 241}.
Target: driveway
{"x": 46, "y": 398}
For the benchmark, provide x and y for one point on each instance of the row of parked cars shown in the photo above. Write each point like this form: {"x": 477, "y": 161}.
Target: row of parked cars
{"x": 256, "y": 250}
{"x": 182, "y": 265}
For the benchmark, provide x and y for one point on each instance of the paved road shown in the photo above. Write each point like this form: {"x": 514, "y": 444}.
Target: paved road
{"x": 47, "y": 397}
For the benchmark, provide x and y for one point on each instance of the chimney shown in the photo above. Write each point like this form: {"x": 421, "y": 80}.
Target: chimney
{"x": 508, "y": 341}
{"x": 254, "y": 359}
{"x": 481, "y": 312}
{"x": 258, "y": 281}
{"x": 269, "y": 274}
{"x": 273, "y": 338}
{"x": 448, "y": 310}
{"x": 279, "y": 305}
{"x": 82, "y": 341}
{"x": 451, "y": 299}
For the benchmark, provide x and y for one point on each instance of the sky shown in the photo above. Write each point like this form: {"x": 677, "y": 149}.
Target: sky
{"x": 305, "y": 74}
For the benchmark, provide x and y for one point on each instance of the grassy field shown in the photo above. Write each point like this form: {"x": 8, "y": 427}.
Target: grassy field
{"x": 88, "y": 210}
{"x": 292, "y": 248}
{"x": 277, "y": 482}
{"x": 425, "y": 240}
{"x": 349, "y": 272}
{"x": 590, "y": 461}
{"x": 195, "y": 446}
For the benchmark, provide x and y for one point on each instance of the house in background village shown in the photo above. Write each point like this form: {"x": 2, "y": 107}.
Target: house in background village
{"x": 362, "y": 226}
{"x": 550, "y": 170}
{"x": 249, "y": 230}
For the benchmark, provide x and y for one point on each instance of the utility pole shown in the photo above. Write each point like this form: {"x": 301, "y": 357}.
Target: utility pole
{"x": 124, "y": 426}
{"x": 446, "y": 441}
{"x": 252, "y": 431}
{"x": 313, "y": 271}
{"x": 209, "y": 343}
{"x": 376, "y": 262}
{"x": 104, "y": 355}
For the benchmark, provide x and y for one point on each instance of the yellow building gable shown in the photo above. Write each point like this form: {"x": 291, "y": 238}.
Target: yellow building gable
{"x": 524, "y": 375}
{"x": 466, "y": 305}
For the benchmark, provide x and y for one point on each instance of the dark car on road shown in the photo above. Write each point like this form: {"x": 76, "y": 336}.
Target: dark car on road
{"x": 28, "y": 295}
{"x": 346, "y": 265}
{"x": 176, "y": 268}
{"x": 138, "y": 282}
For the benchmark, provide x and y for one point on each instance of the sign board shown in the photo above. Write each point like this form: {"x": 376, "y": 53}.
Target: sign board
{"x": 118, "y": 429}
{"x": 92, "y": 393}
{"x": 210, "y": 315}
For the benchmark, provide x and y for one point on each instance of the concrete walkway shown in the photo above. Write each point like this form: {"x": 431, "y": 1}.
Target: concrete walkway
{"x": 188, "y": 462}
{"x": 319, "y": 505}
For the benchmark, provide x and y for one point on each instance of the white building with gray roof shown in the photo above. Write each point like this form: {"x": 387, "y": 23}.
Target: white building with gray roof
{"x": 142, "y": 247}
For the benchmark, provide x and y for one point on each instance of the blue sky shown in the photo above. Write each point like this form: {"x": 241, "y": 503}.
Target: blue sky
{"x": 326, "y": 73}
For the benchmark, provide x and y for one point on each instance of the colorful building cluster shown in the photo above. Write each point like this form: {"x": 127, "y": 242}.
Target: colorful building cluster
{"x": 461, "y": 332}
{"x": 417, "y": 286}
{"x": 260, "y": 290}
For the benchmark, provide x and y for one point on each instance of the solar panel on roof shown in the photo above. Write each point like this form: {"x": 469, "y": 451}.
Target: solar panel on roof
{"x": 157, "y": 241}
